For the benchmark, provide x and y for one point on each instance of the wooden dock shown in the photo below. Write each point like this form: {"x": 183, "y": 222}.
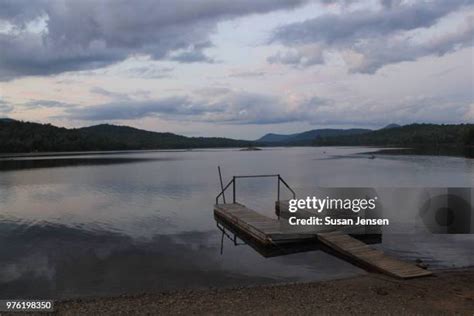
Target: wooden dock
{"x": 263, "y": 229}
{"x": 270, "y": 232}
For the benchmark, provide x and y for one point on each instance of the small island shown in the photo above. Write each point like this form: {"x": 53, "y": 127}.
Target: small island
{"x": 250, "y": 148}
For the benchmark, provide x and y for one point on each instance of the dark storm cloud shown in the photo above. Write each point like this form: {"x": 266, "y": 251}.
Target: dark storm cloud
{"x": 380, "y": 52}
{"x": 369, "y": 33}
{"x": 81, "y": 35}
{"x": 21, "y": 11}
{"x": 348, "y": 27}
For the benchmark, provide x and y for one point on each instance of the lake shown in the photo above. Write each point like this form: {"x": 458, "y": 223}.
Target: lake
{"x": 127, "y": 223}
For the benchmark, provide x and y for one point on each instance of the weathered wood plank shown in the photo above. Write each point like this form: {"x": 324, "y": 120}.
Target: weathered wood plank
{"x": 372, "y": 258}
{"x": 266, "y": 230}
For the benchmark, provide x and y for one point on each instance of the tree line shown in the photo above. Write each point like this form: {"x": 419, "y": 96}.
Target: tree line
{"x": 408, "y": 135}
{"x": 25, "y": 137}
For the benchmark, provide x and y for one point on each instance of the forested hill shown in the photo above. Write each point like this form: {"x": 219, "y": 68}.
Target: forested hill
{"x": 408, "y": 135}
{"x": 25, "y": 137}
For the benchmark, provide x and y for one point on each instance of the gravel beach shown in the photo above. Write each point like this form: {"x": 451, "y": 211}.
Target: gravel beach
{"x": 447, "y": 292}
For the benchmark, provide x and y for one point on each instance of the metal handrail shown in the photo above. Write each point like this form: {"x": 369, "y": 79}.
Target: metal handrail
{"x": 223, "y": 190}
{"x": 287, "y": 186}
{"x": 280, "y": 179}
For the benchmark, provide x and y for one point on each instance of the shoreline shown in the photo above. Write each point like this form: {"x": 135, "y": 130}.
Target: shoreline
{"x": 448, "y": 291}
{"x": 455, "y": 151}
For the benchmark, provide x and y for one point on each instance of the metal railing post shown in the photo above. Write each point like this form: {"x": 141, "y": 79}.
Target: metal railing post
{"x": 222, "y": 184}
{"x": 278, "y": 192}
{"x": 233, "y": 188}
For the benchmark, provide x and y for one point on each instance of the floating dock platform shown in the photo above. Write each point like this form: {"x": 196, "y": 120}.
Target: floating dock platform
{"x": 264, "y": 230}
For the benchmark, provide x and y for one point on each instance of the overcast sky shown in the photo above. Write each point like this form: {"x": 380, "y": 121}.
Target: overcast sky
{"x": 237, "y": 68}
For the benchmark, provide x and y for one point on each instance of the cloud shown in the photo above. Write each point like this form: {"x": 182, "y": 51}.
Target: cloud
{"x": 354, "y": 25}
{"x": 222, "y": 106}
{"x": 439, "y": 110}
{"x": 109, "y": 94}
{"x": 244, "y": 108}
{"x": 50, "y": 37}
{"x": 305, "y": 55}
{"x": 374, "y": 54}
{"x": 213, "y": 92}
{"x": 191, "y": 56}
{"x": 5, "y": 107}
{"x": 247, "y": 74}
{"x": 149, "y": 72}
{"x": 249, "y": 108}
{"x": 469, "y": 115}
{"x": 19, "y": 12}
{"x": 130, "y": 110}
{"x": 47, "y": 104}
{"x": 384, "y": 36}
{"x": 121, "y": 96}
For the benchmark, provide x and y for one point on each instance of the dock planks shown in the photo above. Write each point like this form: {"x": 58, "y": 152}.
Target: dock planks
{"x": 369, "y": 257}
{"x": 264, "y": 229}
{"x": 269, "y": 231}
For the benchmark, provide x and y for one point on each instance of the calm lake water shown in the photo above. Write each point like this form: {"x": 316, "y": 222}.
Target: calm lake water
{"x": 108, "y": 224}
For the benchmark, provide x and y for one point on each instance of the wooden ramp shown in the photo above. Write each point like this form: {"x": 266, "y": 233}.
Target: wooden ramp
{"x": 369, "y": 257}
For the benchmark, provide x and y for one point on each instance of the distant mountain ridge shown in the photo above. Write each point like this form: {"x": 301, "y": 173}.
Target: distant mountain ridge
{"x": 309, "y": 136}
{"x": 273, "y": 138}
